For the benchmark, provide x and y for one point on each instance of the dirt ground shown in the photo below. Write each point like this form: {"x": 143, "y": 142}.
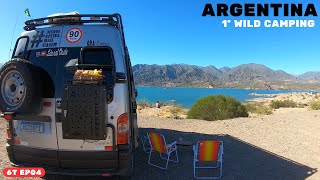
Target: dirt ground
{"x": 284, "y": 145}
{"x": 298, "y": 97}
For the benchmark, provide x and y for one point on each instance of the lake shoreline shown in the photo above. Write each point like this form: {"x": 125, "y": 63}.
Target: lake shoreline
{"x": 261, "y": 101}
{"x": 188, "y": 96}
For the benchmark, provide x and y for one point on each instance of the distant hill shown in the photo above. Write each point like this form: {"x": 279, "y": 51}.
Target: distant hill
{"x": 251, "y": 76}
{"x": 254, "y": 76}
{"x": 312, "y": 75}
{"x": 172, "y": 75}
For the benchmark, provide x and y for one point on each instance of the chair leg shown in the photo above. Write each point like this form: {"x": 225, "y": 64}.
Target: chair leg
{"x": 144, "y": 140}
{"x": 168, "y": 159}
{"x": 149, "y": 162}
{"x": 177, "y": 157}
{"x": 149, "y": 157}
{"x": 160, "y": 154}
{"x": 220, "y": 170}
{"x": 216, "y": 165}
{"x": 212, "y": 177}
{"x": 194, "y": 168}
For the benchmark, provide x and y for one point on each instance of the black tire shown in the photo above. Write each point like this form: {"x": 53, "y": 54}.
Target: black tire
{"x": 20, "y": 87}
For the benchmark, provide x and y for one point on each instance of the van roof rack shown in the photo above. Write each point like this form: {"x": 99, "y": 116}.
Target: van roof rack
{"x": 78, "y": 19}
{"x": 111, "y": 19}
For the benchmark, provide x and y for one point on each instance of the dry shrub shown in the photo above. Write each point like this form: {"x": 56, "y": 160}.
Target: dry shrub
{"x": 315, "y": 105}
{"x": 258, "y": 108}
{"x": 285, "y": 103}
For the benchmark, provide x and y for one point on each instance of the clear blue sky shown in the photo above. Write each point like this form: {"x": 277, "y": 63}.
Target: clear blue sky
{"x": 167, "y": 32}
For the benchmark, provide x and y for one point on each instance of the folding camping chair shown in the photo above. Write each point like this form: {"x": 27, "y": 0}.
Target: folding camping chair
{"x": 158, "y": 144}
{"x": 208, "y": 152}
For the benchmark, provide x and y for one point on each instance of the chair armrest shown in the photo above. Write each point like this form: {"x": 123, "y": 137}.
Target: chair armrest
{"x": 170, "y": 145}
{"x": 195, "y": 152}
{"x": 221, "y": 151}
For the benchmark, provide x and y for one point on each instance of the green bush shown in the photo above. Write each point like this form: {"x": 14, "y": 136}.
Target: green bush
{"x": 315, "y": 105}
{"x": 217, "y": 108}
{"x": 285, "y": 103}
{"x": 258, "y": 108}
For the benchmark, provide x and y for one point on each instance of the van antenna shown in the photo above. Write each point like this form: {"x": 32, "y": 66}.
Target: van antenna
{"x": 14, "y": 30}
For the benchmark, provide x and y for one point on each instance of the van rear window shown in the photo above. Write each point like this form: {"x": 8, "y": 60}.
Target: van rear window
{"x": 98, "y": 56}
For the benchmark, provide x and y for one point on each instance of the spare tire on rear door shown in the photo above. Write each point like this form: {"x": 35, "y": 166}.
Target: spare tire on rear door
{"x": 20, "y": 87}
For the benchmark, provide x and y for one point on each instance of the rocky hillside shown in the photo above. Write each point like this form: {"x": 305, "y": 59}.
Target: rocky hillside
{"x": 173, "y": 75}
{"x": 310, "y": 76}
{"x": 251, "y": 76}
{"x": 256, "y": 76}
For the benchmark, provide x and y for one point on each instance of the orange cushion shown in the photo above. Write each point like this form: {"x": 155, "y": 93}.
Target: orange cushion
{"x": 208, "y": 150}
{"x": 157, "y": 142}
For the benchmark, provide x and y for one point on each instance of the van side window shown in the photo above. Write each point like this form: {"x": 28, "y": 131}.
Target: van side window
{"x": 21, "y": 45}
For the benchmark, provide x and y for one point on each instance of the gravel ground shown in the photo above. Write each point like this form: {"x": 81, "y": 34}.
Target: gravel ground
{"x": 284, "y": 145}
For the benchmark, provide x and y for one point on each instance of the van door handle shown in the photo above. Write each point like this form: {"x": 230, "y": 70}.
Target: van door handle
{"x": 58, "y": 102}
{"x": 121, "y": 77}
{"x": 65, "y": 113}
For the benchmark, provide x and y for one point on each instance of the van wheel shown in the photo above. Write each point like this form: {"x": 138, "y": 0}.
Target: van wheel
{"x": 20, "y": 87}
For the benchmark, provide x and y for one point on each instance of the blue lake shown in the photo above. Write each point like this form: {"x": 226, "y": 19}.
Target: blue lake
{"x": 188, "y": 96}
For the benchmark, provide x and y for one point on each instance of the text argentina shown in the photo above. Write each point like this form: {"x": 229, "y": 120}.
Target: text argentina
{"x": 260, "y": 10}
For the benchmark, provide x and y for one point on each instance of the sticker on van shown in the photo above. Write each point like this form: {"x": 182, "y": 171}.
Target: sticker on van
{"x": 74, "y": 35}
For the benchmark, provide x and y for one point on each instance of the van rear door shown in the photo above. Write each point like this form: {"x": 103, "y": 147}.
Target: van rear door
{"x": 83, "y": 132}
{"x": 35, "y": 138}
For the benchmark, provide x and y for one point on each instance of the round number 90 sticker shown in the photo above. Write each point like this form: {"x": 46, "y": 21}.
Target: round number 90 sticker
{"x": 74, "y": 35}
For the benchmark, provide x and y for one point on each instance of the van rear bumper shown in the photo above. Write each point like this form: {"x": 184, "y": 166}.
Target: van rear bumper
{"x": 71, "y": 162}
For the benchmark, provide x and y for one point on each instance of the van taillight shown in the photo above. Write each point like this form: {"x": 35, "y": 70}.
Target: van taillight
{"x": 122, "y": 129}
{"x": 8, "y": 133}
{"x": 8, "y": 117}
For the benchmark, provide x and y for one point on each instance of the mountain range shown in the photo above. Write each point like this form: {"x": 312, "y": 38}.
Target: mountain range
{"x": 249, "y": 76}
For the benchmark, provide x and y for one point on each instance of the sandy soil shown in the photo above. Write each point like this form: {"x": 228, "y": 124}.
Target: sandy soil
{"x": 165, "y": 112}
{"x": 284, "y": 145}
{"x": 298, "y": 97}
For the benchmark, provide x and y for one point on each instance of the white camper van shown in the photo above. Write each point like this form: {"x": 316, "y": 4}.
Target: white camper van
{"x": 62, "y": 122}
